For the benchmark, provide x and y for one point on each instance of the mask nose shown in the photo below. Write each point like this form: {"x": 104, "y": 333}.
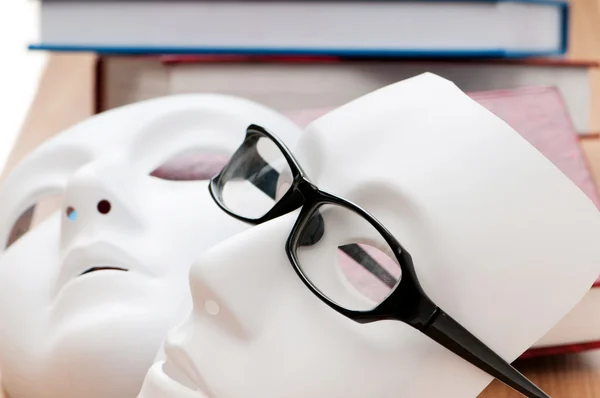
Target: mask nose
{"x": 236, "y": 284}
{"x": 100, "y": 200}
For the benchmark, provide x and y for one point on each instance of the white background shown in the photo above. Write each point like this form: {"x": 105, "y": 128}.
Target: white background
{"x": 20, "y": 68}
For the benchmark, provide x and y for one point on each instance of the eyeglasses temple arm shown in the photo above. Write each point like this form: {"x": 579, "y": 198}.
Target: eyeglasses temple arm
{"x": 450, "y": 334}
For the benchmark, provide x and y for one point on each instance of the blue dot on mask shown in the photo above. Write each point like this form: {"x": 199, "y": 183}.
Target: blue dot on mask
{"x": 71, "y": 214}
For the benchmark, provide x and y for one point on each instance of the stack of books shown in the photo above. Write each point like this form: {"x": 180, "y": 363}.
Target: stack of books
{"x": 306, "y": 57}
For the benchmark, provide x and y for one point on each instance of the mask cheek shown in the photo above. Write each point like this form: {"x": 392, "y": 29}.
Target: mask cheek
{"x": 316, "y": 342}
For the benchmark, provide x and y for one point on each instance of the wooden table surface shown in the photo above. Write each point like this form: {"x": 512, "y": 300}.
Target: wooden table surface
{"x": 562, "y": 376}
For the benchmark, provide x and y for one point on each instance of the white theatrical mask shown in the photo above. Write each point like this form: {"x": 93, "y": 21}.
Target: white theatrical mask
{"x": 500, "y": 239}
{"x": 86, "y": 297}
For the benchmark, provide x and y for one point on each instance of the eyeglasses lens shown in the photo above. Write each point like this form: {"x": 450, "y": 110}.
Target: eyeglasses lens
{"x": 345, "y": 258}
{"x": 255, "y": 179}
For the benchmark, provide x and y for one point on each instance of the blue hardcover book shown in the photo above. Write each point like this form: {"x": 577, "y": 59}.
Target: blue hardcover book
{"x": 426, "y": 28}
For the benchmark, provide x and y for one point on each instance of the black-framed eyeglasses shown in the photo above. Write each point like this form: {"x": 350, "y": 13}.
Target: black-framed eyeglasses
{"x": 372, "y": 277}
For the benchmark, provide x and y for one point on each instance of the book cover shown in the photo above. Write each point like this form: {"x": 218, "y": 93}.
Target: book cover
{"x": 398, "y": 28}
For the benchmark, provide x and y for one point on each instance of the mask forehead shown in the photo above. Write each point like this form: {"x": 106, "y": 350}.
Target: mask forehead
{"x": 469, "y": 198}
{"x": 212, "y": 122}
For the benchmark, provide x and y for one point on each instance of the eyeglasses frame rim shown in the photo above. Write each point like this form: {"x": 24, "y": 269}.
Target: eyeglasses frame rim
{"x": 407, "y": 302}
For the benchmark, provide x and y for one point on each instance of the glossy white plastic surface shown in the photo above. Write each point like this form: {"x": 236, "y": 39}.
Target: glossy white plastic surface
{"x": 66, "y": 333}
{"x": 500, "y": 238}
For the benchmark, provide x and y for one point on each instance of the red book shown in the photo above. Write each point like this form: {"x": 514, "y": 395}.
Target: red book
{"x": 540, "y": 116}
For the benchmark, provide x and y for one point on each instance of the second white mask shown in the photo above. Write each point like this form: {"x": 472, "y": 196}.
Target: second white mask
{"x": 87, "y": 296}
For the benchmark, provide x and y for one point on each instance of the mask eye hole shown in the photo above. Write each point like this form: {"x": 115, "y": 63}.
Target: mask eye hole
{"x": 192, "y": 165}
{"x": 71, "y": 213}
{"x": 36, "y": 214}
